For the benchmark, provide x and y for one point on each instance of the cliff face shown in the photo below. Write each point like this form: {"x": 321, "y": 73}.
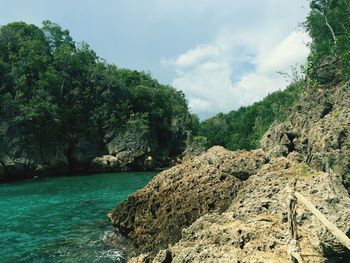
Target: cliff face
{"x": 231, "y": 206}
{"x": 128, "y": 150}
{"x": 317, "y": 133}
{"x": 63, "y": 108}
{"x": 21, "y": 160}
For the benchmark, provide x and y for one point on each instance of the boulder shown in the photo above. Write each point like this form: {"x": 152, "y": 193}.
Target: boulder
{"x": 227, "y": 206}
{"x": 154, "y": 216}
{"x": 129, "y": 147}
{"x": 128, "y": 150}
{"x": 105, "y": 163}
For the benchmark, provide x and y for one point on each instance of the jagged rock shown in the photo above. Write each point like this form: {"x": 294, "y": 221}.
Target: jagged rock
{"x": 254, "y": 228}
{"x": 21, "y": 161}
{"x": 128, "y": 150}
{"x": 154, "y": 216}
{"x": 195, "y": 146}
{"x": 237, "y": 200}
{"x": 129, "y": 144}
{"x": 328, "y": 71}
{"x": 320, "y": 129}
{"x": 279, "y": 140}
{"x": 164, "y": 256}
{"x": 19, "y": 166}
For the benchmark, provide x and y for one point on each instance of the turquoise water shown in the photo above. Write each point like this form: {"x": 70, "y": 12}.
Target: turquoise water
{"x": 63, "y": 219}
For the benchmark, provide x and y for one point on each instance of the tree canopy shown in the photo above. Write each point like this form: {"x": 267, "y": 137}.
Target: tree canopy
{"x": 243, "y": 128}
{"x": 328, "y": 24}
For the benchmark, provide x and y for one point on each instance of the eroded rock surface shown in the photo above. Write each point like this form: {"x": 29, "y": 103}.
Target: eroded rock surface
{"x": 154, "y": 216}
{"x": 128, "y": 150}
{"x": 254, "y": 228}
{"x": 317, "y": 133}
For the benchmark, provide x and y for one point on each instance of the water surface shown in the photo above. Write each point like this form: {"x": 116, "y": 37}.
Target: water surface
{"x": 62, "y": 219}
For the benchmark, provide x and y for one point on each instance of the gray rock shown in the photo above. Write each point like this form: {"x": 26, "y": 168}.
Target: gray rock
{"x": 127, "y": 150}
{"x": 316, "y": 132}
{"x": 105, "y": 163}
{"x": 154, "y": 216}
{"x": 261, "y": 236}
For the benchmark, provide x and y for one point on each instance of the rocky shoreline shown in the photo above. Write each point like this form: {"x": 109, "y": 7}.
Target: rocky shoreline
{"x": 127, "y": 152}
{"x": 225, "y": 206}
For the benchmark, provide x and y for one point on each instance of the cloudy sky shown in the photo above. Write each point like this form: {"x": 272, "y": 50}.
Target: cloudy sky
{"x": 222, "y": 54}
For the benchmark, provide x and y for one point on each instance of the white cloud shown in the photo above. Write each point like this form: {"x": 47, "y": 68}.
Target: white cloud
{"x": 205, "y": 73}
{"x": 193, "y": 56}
{"x": 199, "y": 104}
{"x": 290, "y": 51}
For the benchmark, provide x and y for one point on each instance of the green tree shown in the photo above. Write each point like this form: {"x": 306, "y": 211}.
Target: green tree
{"x": 59, "y": 99}
{"x": 328, "y": 24}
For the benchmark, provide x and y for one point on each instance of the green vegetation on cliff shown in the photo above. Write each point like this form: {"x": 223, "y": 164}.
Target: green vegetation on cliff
{"x": 328, "y": 24}
{"x": 243, "y": 128}
{"x": 61, "y": 105}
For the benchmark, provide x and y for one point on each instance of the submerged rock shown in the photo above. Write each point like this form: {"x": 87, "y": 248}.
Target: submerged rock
{"x": 154, "y": 216}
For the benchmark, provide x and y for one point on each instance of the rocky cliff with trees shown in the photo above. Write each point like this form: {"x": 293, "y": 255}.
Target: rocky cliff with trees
{"x": 65, "y": 110}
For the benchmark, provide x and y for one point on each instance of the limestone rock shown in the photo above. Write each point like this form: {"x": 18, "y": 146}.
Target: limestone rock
{"x": 317, "y": 132}
{"x": 254, "y": 228}
{"x": 154, "y": 216}
{"x": 17, "y": 166}
{"x": 227, "y": 206}
{"x": 128, "y": 146}
{"x": 105, "y": 163}
{"x": 127, "y": 150}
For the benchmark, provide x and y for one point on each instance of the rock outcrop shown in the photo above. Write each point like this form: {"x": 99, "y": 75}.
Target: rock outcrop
{"x": 254, "y": 227}
{"x": 317, "y": 132}
{"x": 129, "y": 150}
{"x": 154, "y": 216}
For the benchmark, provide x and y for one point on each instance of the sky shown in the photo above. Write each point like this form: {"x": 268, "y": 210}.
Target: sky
{"x": 223, "y": 54}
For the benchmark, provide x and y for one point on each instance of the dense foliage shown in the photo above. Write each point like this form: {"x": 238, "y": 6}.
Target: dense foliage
{"x": 55, "y": 93}
{"x": 243, "y": 128}
{"x": 328, "y": 24}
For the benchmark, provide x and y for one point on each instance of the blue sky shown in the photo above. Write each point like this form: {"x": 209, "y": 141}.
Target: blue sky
{"x": 222, "y": 54}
